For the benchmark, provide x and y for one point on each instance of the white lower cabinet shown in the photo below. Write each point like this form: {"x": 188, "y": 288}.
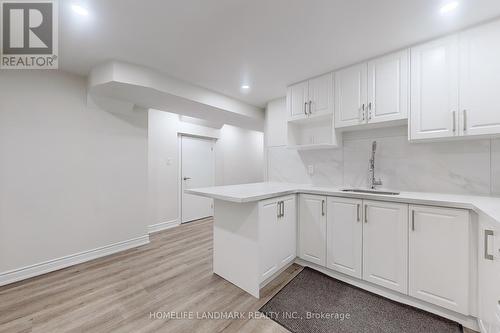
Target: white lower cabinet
{"x": 420, "y": 251}
{"x": 439, "y": 256}
{"x": 344, "y": 236}
{"x": 277, "y": 234}
{"x": 312, "y": 228}
{"x": 385, "y": 244}
{"x": 489, "y": 275}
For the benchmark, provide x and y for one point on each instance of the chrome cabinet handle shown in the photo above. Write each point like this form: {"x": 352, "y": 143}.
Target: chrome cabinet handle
{"x": 278, "y": 207}
{"x": 363, "y": 109}
{"x": 454, "y": 121}
{"x": 487, "y": 256}
{"x": 186, "y": 178}
{"x": 305, "y": 108}
{"x": 370, "y": 111}
{"x": 310, "y": 110}
{"x": 412, "y": 220}
{"x": 358, "y": 207}
{"x": 366, "y": 213}
{"x": 322, "y": 207}
{"x": 465, "y": 120}
{"x": 282, "y": 208}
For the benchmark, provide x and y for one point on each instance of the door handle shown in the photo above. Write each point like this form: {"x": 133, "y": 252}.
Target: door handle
{"x": 465, "y": 120}
{"x": 186, "y": 178}
{"x": 357, "y": 211}
{"x": 322, "y": 207}
{"x": 487, "y": 233}
{"x": 366, "y": 213}
{"x": 413, "y": 220}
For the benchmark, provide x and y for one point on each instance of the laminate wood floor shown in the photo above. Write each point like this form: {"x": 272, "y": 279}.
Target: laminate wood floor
{"x": 136, "y": 290}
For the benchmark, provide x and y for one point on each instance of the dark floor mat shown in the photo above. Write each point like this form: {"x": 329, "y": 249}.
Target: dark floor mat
{"x": 315, "y": 303}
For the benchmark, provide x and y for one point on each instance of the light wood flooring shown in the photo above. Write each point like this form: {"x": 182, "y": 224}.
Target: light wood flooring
{"x": 119, "y": 292}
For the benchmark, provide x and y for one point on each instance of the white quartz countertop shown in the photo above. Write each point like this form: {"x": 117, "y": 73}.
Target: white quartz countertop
{"x": 259, "y": 191}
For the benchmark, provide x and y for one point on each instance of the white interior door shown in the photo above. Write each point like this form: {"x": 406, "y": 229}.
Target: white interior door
{"x": 197, "y": 170}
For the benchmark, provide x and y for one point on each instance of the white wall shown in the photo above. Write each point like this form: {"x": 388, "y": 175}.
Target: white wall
{"x": 72, "y": 178}
{"x": 463, "y": 167}
{"x": 239, "y": 159}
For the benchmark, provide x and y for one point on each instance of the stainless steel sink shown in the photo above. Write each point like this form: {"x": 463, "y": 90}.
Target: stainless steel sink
{"x": 369, "y": 191}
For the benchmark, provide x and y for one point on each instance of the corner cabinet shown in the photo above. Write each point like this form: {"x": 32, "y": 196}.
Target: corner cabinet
{"x": 439, "y": 256}
{"x": 277, "y": 234}
{"x": 454, "y": 84}
{"x": 373, "y": 92}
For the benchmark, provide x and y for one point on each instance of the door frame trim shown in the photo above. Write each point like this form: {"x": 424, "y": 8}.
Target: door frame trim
{"x": 179, "y": 170}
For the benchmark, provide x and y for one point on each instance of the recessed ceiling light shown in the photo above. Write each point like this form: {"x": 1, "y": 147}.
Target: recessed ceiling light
{"x": 449, "y": 7}
{"x": 80, "y": 10}
{"x": 245, "y": 87}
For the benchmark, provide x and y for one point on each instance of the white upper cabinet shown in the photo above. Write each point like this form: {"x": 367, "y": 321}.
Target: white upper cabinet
{"x": 439, "y": 257}
{"x": 434, "y": 89}
{"x": 321, "y": 95}
{"x": 311, "y": 98}
{"x": 350, "y": 96}
{"x": 297, "y": 100}
{"x": 454, "y": 85}
{"x": 388, "y": 87}
{"x": 373, "y": 92}
{"x": 312, "y": 228}
{"x": 480, "y": 80}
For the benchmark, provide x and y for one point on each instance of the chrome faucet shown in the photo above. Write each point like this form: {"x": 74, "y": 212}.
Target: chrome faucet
{"x": 372, "y": 181}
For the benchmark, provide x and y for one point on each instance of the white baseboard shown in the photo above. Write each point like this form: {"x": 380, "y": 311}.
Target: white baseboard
{"x": 163, "y": 226}
{"x": 67, "y": 261}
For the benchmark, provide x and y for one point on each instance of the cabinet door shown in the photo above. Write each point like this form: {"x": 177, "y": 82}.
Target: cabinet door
{"x": 297, "y": 99}
{"x": 268, "y": 231}
{"x": 385, "y": 244}
{"x": 287, "y": 232}
{"x": 434, "y": 89}
{"x": 439, "y": 256}
{"x": 344, "y": 240}
{"x": 350, "y": 96}
{"x": 312, "y": 228}
{"x": 489, "y": 274}
{"x": 321, "y": 94}
{"x": 480, "y": 79}
{"x": 388, "y": 87}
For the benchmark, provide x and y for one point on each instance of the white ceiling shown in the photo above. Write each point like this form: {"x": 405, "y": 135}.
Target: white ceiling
{"x": 221, "y": 44}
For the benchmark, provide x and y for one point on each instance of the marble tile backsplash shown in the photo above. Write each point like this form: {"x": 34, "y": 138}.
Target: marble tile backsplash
{"x": 462, "y": 167}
